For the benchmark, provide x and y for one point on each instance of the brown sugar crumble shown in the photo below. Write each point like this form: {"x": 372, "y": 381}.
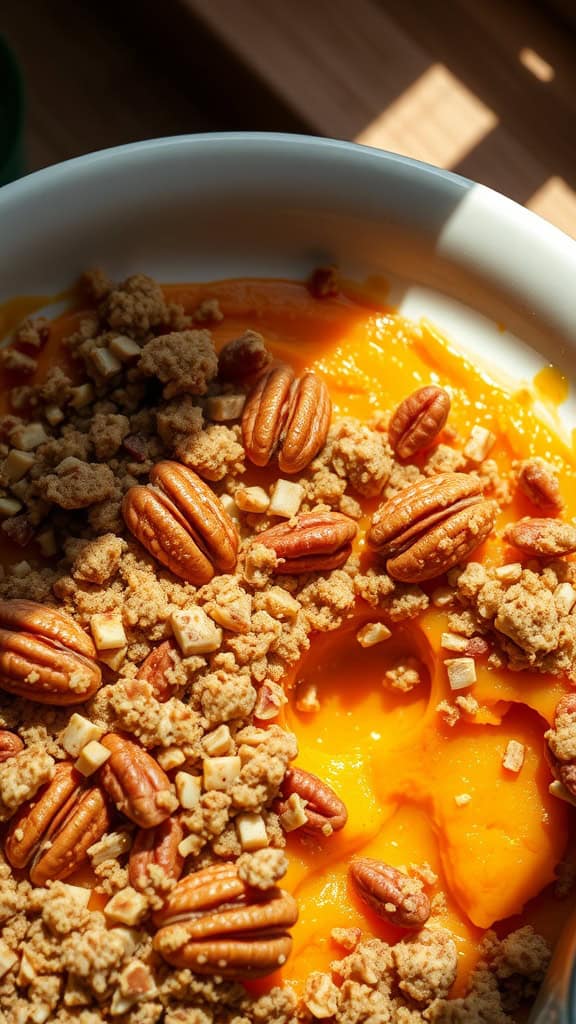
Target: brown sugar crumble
{"x": 191, "y": 667}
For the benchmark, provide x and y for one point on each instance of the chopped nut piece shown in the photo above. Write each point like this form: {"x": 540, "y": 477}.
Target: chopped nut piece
{"x": 108, "y": 631}
{"x": 26, "y": 971}
{"x": 92, "y": 757}
{"x": 252, "y": 499}
{"x": 251, "y": 831}
{"x": 285, "y": 499}
{"x": 105, "y": 363}
{"x": 225, "y": 408}
{"x": 170, "y": 758}
{"x": 21, "y": 569}
{"x": 235, "y": 615}
{"x": 195, "y": 632}
{"x": 16, "y": 465}
{"x": 124, "y": 348}
{"x": 295, "y": 814}
{"x": 46, "y": 541}
{"x": 443, "y": 597}
{"x": 479, "y": 443}
{"x": 114, "y": 658}
{"x": 191, "y": 845}
{"x": 127, "y": 907}
{"x": 509, "y": 573}
{"x": 453, "y": 642}
{"x": 188, "y": 789}
{"x": 82, "y": 395}
{"x": 217, "y": 742}
{"x": 220, "y": 772}
{"x": 7, "y": 959}
{"x": 112, "y": 846}
{"x": 564, "y": 598}
{"x": 321, "y": 996}
{"x": 54, "y": 415}
{"x": 514, "y": 756}
{"x": 307, "y": 698}
{"x": 9, "y": 507}
{"x": 78, "y": 733}
{"x": 462, "y": 799}
{"x": 461, "y": 672}
{"x": 373, "y": 633}
{"x": 28, "y": 436}
{"x": 230, "y": 507}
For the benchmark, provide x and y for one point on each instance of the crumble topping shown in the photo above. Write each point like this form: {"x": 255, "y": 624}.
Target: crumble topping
{"x": 149, "y": 378}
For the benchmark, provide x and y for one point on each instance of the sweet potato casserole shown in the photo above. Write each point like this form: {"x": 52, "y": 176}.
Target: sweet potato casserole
{"x": 287, "y": 649}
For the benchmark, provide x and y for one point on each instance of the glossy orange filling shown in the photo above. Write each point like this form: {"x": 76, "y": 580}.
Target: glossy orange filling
{"x": 389, "y": 755}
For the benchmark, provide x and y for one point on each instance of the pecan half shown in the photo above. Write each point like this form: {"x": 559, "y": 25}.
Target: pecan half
{"x": 52, "y": 833}
{"x": 213, "y": 923}
{"x": 10, "y": 744}
{"x": 539, "y": 482}
{"x": 314, "y": 542}
{"x": 324, "y": 810}
{"x": 156, "y": 847}
{"x": 393, "y": 895}
{"x": 543, "y": 538}
{"x": 430, "y": 526}
{"x": 136, "y": 783}
{"x": 181, "y": 522}
{"x": 154, "y": 670}
{"x": 418, "y": 420}
{"x": 44, "y": 655}
{"x": 561, "y": 743}
{"x": 287, "y": 416}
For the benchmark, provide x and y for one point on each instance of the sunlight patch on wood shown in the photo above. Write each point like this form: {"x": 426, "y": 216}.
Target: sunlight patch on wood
{"x": 556, "y": 201}
{"x": 437, "y": 119}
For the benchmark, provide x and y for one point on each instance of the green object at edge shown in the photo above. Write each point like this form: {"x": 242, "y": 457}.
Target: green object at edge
{"x": 11, "y": 116}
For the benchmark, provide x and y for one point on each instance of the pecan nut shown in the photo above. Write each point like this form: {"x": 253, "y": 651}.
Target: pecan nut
{"x": 393, "y": 895}
{"x": 539, "y": 482}
{"x": 542, "y": 538}
{"x": 324, "y": 810}
{"x": 432, "y": 525}
{"x": 418, "y": 420}
{"x": 155, "y": 668}
{"x": 52, "y": 833}
{"x": 287, "y": 416}
{"x": 313, "y": 542}
{"x": 156, "y": 848}
{"x": 10, "y": 744}
{"x": 213, "y": 923}
{"x": 136, "y": 783}
{"x": 181, "y": 522}
{"x": 44, "y": 655}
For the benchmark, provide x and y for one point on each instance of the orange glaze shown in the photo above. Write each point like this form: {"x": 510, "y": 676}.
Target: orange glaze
{"x": 389, "y": 755}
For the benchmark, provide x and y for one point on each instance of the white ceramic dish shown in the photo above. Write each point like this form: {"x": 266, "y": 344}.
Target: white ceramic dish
{"x": 214, "y": 206}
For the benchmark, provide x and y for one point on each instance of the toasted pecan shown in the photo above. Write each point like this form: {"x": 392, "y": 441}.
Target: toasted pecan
{"x": 418, "y": 420}
{"x": 212, "y": 923}
{"x": 392, "y": 894}
{"x": 432, "y": 525}
{"x": 181, "y": 522}
{"x": 312, "y": 542}
{"x": 156, "y": 847}
{"x": 288, "y": 417}
{"x": 325, "y": 811}
{"x": 136, "y": 783}
{"x": 542, "y": 538}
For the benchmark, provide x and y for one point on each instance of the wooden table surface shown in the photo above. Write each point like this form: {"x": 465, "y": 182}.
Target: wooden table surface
{"x": 486, "y": 88}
